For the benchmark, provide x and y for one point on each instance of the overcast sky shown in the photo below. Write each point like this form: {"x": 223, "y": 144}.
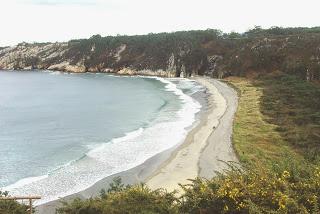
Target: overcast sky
{"x": 62, "y": 20}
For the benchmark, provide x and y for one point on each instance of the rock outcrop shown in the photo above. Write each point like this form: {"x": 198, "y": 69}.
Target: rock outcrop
{"x": 213, "y": 66}
{"x": 57, "y": 56}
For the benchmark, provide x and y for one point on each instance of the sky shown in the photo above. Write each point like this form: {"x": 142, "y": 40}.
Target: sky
{"x": 62, "y": 20}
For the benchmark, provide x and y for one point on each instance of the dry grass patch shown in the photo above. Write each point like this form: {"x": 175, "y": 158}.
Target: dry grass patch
{"x": 255, "y": 140}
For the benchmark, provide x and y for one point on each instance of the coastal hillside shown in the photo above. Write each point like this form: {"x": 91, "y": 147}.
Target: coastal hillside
{"x": 292, "y": 50}
{"x": 276, "y": 128}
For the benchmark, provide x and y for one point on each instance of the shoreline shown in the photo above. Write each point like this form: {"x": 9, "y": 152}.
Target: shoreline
{"x": 207, "y": 147}
{"x": 122, "y": 72}
{"x": 158, "y": 168}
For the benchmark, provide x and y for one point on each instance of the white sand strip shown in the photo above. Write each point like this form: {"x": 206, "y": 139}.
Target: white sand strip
{"x": 206, "y": 145}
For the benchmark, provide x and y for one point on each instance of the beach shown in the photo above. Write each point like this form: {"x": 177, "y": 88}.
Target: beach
{"x": 207, "y": 147}
{"x": 205, "y": 150}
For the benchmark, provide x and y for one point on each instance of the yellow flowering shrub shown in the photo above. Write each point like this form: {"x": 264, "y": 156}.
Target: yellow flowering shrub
{"x": 253, "y": 191}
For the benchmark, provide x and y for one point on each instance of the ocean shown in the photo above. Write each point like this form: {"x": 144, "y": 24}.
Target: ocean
{"x": 62, "y": 132}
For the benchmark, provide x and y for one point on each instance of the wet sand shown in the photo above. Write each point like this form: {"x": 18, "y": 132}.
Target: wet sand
{"x": 207, "y": 147}
{"x": 201, "y": 154}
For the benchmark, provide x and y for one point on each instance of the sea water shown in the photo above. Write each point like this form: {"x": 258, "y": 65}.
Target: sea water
{"x": 60, "y": 133}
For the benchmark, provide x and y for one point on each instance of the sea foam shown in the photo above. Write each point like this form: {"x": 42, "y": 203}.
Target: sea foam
{"x": 117, "y": 155}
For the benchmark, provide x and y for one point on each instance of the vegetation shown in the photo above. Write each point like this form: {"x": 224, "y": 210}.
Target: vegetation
{"x": 276, "y": 135}
{"x": 285, "y": 112}
{"x": 142, "y": 51}
{"x": 236, "y": 191}
{"x": 253, "y": 191}
{"x": 276, "y": 175}
{"x": 276, "y": 128}
{"x": 255, "y": 140}
{"x": 294, "y": 106}
{"x": 11, "y": 206}
{"x": 293, "y": 50}
{"x": 120, "y": 199}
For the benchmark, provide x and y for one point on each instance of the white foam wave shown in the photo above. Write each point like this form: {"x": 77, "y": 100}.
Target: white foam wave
{"x": 55, "y": 73}
{"x": 98, "y": 153}
{"x": 117, "y": 155}
{"x": 24, "y": 181}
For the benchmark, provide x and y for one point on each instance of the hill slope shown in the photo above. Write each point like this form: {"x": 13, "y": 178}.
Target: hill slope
{"x": 292, "y": 50}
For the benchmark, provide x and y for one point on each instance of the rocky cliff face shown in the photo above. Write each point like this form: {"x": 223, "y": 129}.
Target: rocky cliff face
{"x": 31, "y": 56}
{"x": 180, "y": 54}
{"x": 59, "y": 56}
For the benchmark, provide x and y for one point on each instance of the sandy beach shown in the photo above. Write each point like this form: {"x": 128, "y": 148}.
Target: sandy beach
{"x": 207, "y": 147}
{"x": 201, "y": 154}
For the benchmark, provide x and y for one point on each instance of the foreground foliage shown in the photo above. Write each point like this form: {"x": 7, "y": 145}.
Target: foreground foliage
{"x": 11, "y": 207}
{"x": 120, "y": 199}
{"x": 254, "y": 191}
{"x": 236, "y": 191}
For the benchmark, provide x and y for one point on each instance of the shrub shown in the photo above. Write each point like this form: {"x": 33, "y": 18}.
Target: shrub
{"x": 253, "y": 191}
{"x": 124, "y": 199}
{"x": 11, "y": 206}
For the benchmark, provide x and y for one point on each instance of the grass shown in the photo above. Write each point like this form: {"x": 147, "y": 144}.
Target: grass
{"x": 294, "y": 106}
{"x": 255, "y": 140}
{"x": 277, "y": 122}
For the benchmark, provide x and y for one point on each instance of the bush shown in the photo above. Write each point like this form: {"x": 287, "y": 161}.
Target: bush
{"x": 236, "y": 191}
{"x": 253, "y": 191}
{"x": 11, "y": 206}
{"x": 124, "y": 199}
{"x": 293, "y": 105}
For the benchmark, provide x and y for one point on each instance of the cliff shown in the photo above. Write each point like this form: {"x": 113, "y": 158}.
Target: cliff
{"x": 186, "y": 53}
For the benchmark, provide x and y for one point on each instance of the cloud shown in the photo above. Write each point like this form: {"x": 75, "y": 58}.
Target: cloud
{"x": 62, "y": 20}
{"x": 61, "y": 2}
